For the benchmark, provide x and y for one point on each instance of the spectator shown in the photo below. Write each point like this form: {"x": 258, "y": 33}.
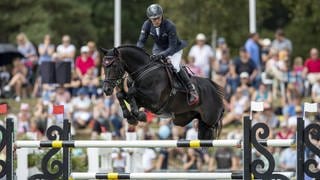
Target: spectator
{"x": 192, "y": 133}
{"x": 115, "y": 119}
{"x": 245, "y": 87}
{"x": 225, "y": 159}
{"x": 18, "y": 81}
{"x": 245, "y": 64}
{"x": 289, "y": 101}
{"x": 262, "y": 94}
{"x": 26, "y": 48}
{"x": 315, "y": 92}
{"x": 311, "y": 69}
{"x": 119, "y": 161}
{"x": 24, "y": 117}
{"x": 46, "y": 49}
{"x": 285, "y": 132}
{"x": 281, "y": 42}
{"x": 266, "y": 45}
{"x": 292, "y": 121}
{"x": 288, "y": 158}
{"x": 75, "y": 84}
{"x": 100, "y": 115}
{"x": 66, "y": 51}
{"x": 238, "y": 105}
{"x": 149, "y": 156}
{"x": 91, "y": 82}
{"x": 94, "y": 53}
{"x": 222, "y": 68}
{"x": 191, "y": 160}
{"x": 84, "y": 62}
{"x": 4, "y": 78}
{"x": 223, "y": 65}
{"x": 268, "y": 117}
{"x": 194, "y": 69}
{"x": 253, "y": 49}
{"x": 62, "y": 95}
{"x": 202, "y": 55}
{"x": 297, "y": 72}
{"x": 221, "y": 46}
{"x": 81, "y": 106}
{"x": 163, "y": 159}
{"x": 232, "y": 82}
{"x": 275, "y": 70}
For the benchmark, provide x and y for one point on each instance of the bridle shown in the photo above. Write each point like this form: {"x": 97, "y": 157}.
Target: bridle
{"x": 120, "y": 74}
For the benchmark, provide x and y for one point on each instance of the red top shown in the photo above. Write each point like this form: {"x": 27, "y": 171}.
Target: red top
{"x": 313, "y": 66}
{"x": 84, "y": 66}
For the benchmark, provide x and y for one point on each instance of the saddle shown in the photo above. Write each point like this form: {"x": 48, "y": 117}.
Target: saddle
{"x": 175, "y": 81}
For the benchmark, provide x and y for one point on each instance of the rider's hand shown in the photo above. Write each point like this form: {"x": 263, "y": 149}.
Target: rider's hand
{"x": 156, "y": 57}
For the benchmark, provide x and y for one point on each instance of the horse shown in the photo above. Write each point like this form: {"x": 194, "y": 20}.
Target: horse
{"x": 154, "y": 87}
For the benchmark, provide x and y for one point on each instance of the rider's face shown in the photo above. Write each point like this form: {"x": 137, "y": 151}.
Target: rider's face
{"x": 156, "y": 21}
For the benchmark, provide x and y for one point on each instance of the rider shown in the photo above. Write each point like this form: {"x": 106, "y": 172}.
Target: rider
{"x": 166, "y": 44}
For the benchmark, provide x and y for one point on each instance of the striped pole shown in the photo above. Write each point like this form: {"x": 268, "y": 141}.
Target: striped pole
{"x": 150, "y": 143}
{"x": 115, "y": 176}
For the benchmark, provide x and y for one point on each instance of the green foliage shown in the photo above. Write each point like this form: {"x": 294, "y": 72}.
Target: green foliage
{"x": 94, "y": 20}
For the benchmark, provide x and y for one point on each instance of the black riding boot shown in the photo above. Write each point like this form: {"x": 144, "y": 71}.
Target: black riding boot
{"x": 193, "y": 94}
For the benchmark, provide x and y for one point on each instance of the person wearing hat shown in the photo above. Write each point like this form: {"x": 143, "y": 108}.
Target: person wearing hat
{"x": 166, "y": 45}
{"x": 201, "y": 54}
{"x": 84, "y": 62}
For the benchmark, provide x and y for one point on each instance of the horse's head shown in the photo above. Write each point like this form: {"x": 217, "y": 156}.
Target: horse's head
{"x": 113, "y": 70}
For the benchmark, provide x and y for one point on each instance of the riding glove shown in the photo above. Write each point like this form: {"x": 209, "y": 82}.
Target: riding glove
{"x": 156, "y": 57}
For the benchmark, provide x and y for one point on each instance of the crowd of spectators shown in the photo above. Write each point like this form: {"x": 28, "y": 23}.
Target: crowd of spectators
{"x": 264, "y": 70}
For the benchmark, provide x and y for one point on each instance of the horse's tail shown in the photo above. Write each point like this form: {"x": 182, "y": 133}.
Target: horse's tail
{"x": 218, "y": 125}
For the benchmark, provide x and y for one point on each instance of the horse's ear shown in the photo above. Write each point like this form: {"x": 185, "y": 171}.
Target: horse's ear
{"x": 116, "y": 52}
{"x": 103, "y": 50}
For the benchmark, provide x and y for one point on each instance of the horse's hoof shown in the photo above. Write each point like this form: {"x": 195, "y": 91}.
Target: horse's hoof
{"x": 142, "y": 116}
{"x": 132, "y": 121}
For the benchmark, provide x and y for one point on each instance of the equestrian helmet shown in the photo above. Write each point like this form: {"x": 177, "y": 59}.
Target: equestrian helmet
{"x": 154, "y": 11}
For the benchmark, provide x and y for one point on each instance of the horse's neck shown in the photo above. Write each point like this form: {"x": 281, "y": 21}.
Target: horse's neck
{"x": 133, "y": 58}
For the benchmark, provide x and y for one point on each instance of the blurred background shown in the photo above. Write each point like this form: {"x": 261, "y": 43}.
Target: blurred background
{"x": 277, "y": 63}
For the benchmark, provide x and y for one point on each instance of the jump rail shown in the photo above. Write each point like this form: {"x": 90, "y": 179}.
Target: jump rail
{"x": 254, "y": 136}
{"x": 150, "y": 143}
{"x": 164, "y": 175}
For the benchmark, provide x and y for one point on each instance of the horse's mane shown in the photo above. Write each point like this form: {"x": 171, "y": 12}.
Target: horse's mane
{"x": 134, "y": 47}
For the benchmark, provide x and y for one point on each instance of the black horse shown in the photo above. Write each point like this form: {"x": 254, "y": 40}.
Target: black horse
{"x": 154, "y": 88}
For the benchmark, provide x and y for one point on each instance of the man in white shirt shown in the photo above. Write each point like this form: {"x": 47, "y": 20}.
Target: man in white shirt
{"x": 202, "y": 54}
{"x": 66, "y": 51}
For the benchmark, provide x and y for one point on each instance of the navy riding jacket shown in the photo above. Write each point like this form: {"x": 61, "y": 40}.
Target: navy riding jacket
{"x": 167, "y": 43}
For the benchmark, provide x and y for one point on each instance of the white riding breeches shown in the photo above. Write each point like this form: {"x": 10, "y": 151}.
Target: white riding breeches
{"x": 176, "y": 59}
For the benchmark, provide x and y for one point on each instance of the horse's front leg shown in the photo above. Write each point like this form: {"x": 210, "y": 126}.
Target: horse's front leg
{"x": 126, "y": 113}
{"x": 140, "y": 115}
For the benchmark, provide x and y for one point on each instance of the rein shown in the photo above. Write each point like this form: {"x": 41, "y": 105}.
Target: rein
{"x": 140, "y": 73}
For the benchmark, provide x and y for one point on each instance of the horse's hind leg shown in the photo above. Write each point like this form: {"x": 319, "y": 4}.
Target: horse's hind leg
{"x": 210, "y": 131}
